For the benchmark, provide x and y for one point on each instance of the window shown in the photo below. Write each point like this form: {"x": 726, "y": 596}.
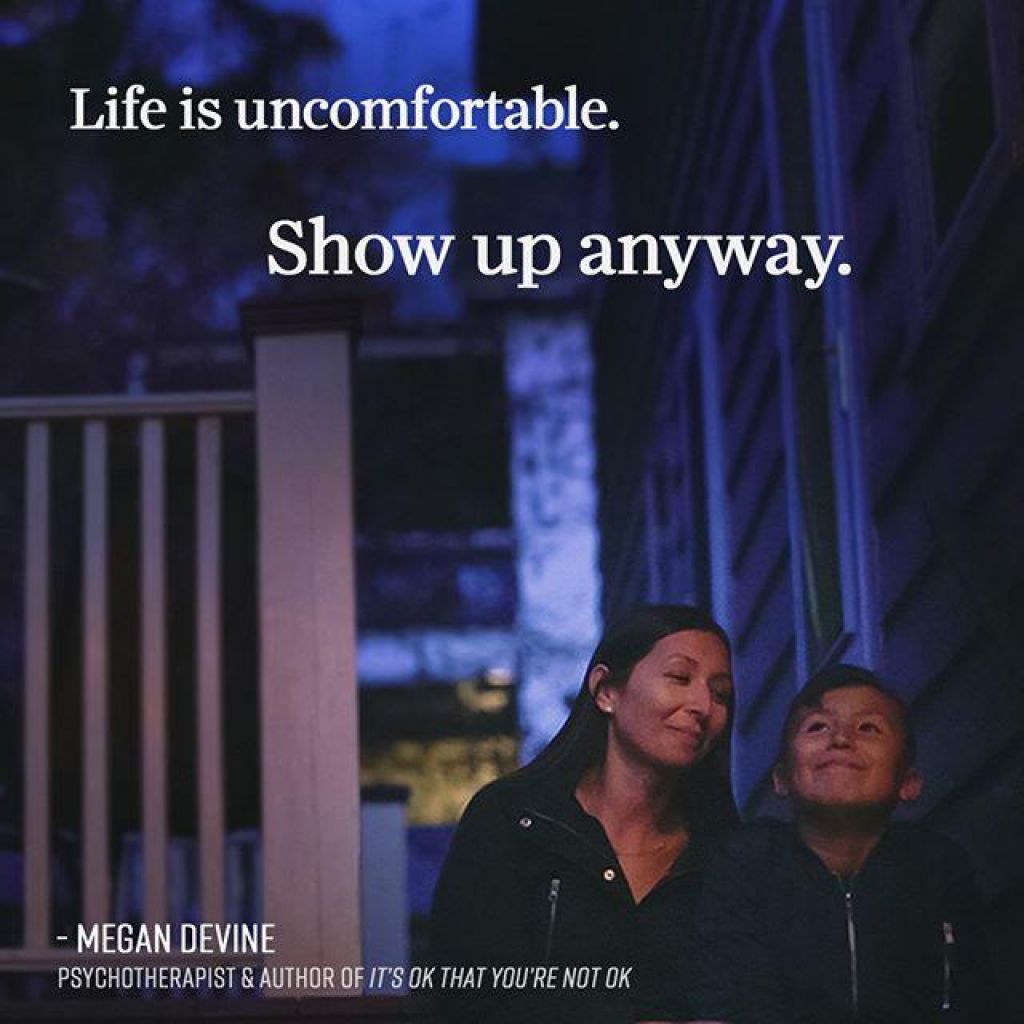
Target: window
{"x": 962, "y": 114}
{"x": 828, "y": 538}
{"x": 819, "y": 556}
{"x": 952, "y": 67}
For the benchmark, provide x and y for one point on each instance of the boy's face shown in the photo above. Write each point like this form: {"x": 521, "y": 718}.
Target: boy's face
{"x": 850, "y": 752}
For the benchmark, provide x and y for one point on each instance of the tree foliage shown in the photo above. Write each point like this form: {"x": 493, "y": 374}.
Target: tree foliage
{"x": 143, "y": 239}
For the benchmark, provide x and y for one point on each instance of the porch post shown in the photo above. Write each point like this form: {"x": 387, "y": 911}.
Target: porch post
{"x": 309, "y": 733}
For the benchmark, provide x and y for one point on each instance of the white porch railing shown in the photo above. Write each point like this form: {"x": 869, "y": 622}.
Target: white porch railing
{"x": 95, "y": 415}
{"x": 310, "y": 795}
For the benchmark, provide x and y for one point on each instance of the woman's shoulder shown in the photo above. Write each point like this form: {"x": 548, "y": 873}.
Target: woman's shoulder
{"x": 491, "y": 801}
{"x": 525, "y": 788}
{"x": 498, "y": 806}
{"x": 483, "y": 831}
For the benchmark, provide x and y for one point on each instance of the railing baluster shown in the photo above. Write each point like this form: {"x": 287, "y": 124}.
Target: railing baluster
{"x": 37, "y": 686}
{"x": 154, "y": 670}
{"x": 208, "y": 668}
{"x": 95, "y": 670}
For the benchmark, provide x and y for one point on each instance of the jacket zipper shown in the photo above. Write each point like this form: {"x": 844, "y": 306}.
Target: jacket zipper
{"x": 851, "y": 942}
{"x": 948, "y": 941}
{"x": 556, "y": 885}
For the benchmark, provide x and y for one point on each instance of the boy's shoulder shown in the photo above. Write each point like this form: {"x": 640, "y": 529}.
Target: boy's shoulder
{"x": 927, "y": 850}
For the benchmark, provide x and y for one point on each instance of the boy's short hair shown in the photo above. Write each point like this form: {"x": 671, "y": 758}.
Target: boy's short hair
{"x": 841, "y": 677}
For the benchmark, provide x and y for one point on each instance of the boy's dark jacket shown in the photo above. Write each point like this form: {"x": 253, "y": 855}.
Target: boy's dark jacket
{"x": 782, "y": 939}
{"x": 532, "y": 880}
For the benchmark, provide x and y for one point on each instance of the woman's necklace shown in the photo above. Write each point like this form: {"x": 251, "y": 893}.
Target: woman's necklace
{"x": 673, "y": 842}
{"x": 656, "y": 847}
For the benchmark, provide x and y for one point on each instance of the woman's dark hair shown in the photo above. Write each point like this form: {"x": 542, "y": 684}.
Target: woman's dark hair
{"x": 581, "y": 742}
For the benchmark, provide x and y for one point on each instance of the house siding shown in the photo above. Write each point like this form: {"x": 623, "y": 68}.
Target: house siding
{"x": 936, "y": 355}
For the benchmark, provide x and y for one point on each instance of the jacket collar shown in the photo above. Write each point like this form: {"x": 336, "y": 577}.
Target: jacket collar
{"x": 544, "y": 810}
{"x": 878, "y": 857}
{"x": 558, "y": 822}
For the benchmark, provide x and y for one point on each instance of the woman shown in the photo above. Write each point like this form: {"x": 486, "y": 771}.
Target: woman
{"x": 589, "y": 857}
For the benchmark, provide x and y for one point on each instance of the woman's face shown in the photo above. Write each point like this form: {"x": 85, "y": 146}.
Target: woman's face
{"x": 675, "y": 703}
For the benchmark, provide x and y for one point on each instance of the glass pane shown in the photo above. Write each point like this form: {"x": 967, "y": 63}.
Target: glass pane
{"x": 823, "y": 606}
{"x": 954, "y": 77}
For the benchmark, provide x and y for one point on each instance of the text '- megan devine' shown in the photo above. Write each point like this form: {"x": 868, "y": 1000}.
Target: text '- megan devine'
{"x": 121, "y": 938}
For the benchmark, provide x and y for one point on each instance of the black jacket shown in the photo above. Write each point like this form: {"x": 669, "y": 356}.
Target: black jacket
{"x": 532, "y": 880}
{"x": 782, "y": 939}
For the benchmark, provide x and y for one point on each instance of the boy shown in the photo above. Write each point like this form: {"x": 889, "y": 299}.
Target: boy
{"x": 841, "y": 915}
